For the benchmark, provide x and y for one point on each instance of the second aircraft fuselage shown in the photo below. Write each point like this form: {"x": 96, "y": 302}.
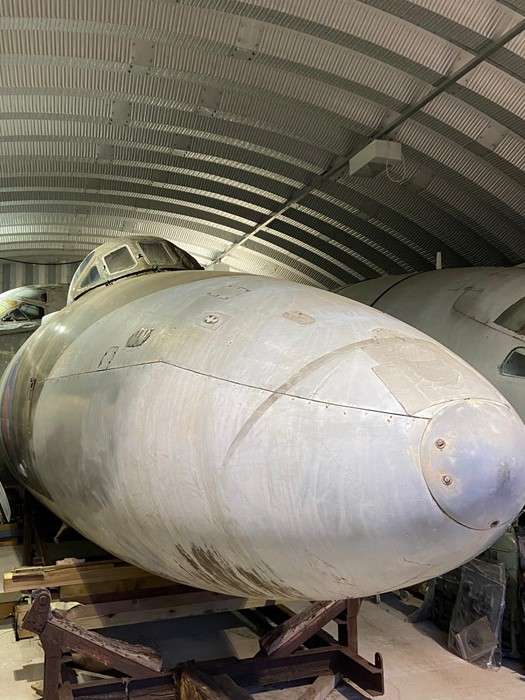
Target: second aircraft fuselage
{"x": 479, "y": 313}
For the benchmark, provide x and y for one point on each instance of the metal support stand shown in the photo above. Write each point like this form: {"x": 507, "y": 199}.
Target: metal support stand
{"x": 282, "y": 657}
{"x": 347, "y": 625}
{"x": 56, "y": 633}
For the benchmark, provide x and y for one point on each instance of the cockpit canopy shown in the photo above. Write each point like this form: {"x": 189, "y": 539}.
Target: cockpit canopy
{"x": 31, "y": 303}
{"x": 513, "y": 318}
{"x": 124, "y": 257}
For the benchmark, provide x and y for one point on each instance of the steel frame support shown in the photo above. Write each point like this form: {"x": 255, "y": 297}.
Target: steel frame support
{"x": 282, "y": 656}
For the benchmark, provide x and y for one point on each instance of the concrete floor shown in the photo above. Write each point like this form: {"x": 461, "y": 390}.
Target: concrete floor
{"x": 10, "y": 558}
{"x": 417, "y": 663}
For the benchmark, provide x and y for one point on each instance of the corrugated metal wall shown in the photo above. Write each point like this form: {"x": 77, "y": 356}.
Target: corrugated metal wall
{"x": 227, "y": 127}
{"x": 19, "y": 274}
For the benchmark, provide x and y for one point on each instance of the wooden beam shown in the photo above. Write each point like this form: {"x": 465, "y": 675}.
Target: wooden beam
{"x": 185, "y": 602}
{"x": 92, "y": 592}
{"x": 193, "y": 684}
{"x": 140, "y": 610}
{"x": 6, "y": 609}
{"x": 21, "y": 611}
{"x": 27, "y": 578}
{"x": 38, "y": 687}
{"x": 290, "y": 635}
{"x": 321, "y": 687}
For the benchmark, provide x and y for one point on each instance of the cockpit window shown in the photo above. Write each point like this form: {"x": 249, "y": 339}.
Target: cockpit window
{"x": 181, "y": 257}
{"x": 84, "y": 263}
{"x": 514, "y": 365}
{"x": 155, "y": 253}
{"x": 33, "y": 313}
{"x": 92, "y": 276}
{"x": 123, "y": 257}
{"x": 15, "y": 315}
{"x": 119, "y": 260}
{"x": 25, "y": 312}
{"x": 514, "y": 317}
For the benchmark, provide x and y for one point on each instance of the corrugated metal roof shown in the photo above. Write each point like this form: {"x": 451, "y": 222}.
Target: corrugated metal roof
{"x": 199, "y": 120}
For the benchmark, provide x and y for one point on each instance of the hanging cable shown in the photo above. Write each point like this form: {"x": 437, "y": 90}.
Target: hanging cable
{"x": 389, "y": 169}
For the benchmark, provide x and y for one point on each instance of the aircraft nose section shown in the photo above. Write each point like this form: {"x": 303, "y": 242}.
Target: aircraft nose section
{"x": 473, "y": 460}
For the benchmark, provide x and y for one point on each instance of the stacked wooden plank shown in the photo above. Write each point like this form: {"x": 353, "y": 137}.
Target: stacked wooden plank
{"x": 113, "y": 593}
{"x": 9, "y": 534}
{"x": 82, "y": 581}
{"x": 27, "y": 578}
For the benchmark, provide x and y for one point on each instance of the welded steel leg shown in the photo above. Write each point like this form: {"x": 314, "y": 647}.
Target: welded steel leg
{"x": 52, "y": 665}
{"x": 347, "y": 625}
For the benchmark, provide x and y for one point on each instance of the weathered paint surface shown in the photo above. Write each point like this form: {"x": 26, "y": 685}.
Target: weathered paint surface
{"x": 254, "y": 436}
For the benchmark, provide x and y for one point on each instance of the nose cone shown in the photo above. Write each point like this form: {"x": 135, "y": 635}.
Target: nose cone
{"x": 473, "y": 460}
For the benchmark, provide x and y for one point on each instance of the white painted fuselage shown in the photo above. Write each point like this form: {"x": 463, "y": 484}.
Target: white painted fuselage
{"x": 254, "y": 436}
{"x": 467, "y": 310}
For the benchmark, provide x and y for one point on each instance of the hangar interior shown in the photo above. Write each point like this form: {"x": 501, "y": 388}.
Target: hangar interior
{"x": 318, "y": 143}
